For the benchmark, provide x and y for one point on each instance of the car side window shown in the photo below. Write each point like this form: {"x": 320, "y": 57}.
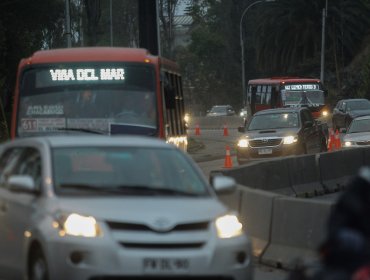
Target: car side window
{"x": 30, "y": 164}
{"x": 8, "y": 162}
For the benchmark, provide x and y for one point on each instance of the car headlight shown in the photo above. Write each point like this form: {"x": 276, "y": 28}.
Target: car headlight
{"x": 348, "y": 143}
{"x": 228, "y": 226}
{"x": 325, "y": 113}
{"x": 243, "y": 143}
{"x": 290, "y": 140}
{"x": 78, "y": 225}
{"x": 187, "y": 117}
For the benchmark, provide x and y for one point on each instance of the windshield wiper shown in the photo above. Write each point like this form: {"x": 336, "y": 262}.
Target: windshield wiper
{"x": 86, "y": 187}
{"x": 144, "y": 190}
{"x": 87, "y": 130}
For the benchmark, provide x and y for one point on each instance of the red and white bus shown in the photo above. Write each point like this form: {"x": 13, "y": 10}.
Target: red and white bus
{"x": 278, "y": 92}
{"x": 130, "y": 90}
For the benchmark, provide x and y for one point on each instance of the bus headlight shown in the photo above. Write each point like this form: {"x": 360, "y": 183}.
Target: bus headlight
{"x": 243, "y": 143}
{"x": 228, "y": 226}
{"x": 290, "y": 140}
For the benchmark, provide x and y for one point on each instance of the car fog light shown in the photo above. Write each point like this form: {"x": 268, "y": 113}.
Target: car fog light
{"x": 228, "y": 226}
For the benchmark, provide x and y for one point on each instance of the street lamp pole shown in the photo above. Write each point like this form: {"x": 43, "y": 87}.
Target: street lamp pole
{"x": 242, "y": 43}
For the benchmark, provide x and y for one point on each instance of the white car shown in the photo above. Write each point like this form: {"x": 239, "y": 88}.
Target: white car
{"x": 100, "y": 207}
{"x": 221, "y": 110}
{"x": 358, "y": 133}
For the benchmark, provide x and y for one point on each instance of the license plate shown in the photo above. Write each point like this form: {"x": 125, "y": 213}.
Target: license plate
{"x": 165, "y": 265}
{"x": 265, "y": 151}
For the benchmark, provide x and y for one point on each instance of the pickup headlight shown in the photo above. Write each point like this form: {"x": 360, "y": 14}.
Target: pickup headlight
{"x": 243, "y": 143}
{"x": 290, "y": 140}
{"x": 228, "y": 226}
{"x": 77, "y": 225}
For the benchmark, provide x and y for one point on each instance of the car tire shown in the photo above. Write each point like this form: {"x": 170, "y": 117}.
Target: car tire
{"x": 38, "y": 268}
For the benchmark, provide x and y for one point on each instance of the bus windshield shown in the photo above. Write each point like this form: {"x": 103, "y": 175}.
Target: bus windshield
{"x": 309, "y": 98}
{"x": 107, "y": 98}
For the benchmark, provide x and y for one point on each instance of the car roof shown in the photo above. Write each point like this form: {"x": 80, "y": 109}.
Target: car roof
{"x": 280, "y": 110}
{"x": 93, "y": 140}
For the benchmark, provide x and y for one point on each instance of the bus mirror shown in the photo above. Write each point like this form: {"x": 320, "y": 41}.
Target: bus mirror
{"x": 326, "y": 93}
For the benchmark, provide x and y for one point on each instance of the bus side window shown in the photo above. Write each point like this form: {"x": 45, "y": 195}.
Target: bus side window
{"x": 169, "y": 92}
{"x": 263, "y": 95}
{"x": 258, "y": 95}
{"x": 268, "y": 96}
{"x": 253, "y": 100}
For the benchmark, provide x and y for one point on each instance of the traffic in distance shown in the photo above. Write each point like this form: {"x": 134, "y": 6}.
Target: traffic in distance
{"x": 104, "y": 207}
{"x": 103, "y": 90}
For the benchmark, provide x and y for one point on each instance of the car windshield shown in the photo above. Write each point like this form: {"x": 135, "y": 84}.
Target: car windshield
{"x": 134, "y": 171}
{"x": 358, "y": 105}
{"x": 273, "y": 121}
{"x": 362, "y": 125}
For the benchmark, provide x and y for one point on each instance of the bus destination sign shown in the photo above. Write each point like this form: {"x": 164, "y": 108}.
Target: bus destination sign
{"x": 87, "y": 74}
{"x": 302, "y": 87}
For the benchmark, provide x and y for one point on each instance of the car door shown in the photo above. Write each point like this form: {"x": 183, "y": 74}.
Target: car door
{"x": 22, "y": 207}
{"x": 8, "y": 162}
{"x": 310, "y": 132}
{"x": 342, "y": 115}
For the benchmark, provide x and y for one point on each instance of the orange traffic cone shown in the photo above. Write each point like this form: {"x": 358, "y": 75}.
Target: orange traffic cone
{"x": 228, "y": 162}
{"x": 226, "y": 131}
{"x": 338, "y": 144}
{"x": 331, "y": 142}
{"x": 197, "y": 130}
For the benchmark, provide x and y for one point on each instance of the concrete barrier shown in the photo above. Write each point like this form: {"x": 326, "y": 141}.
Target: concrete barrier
{"x": 298, "y": 228}
{"x": 256, "y": 212}
{"x": 272, "y": 175}
{"x": 336, "y": 168}
{"x": 304, "y": 175}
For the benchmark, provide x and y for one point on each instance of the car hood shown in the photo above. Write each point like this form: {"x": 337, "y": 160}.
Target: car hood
{"x": 356, "y": 113}
{"x": 361, "y": 136}
{"x": 281, "y": 132}
{"x": 145, "y": 210}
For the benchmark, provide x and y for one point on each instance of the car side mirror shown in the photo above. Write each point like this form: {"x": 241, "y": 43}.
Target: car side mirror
{"x": 308, "y": 124}
{"x": 223, "y": 184}
{"x": 241, "y": 129}
{"x": 22, "y": 183}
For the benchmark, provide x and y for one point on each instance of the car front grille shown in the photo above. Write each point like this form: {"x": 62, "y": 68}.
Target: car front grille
{"x": 187, "y": 236}
{"x": 265, "y": 142}
{"x": 141, "y": 227}
{"x": 363, "y": 143}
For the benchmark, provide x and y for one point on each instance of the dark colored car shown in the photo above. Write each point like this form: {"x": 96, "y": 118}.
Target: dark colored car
{"x": 281, "y": 132}
{"x": 348, "y": 109}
